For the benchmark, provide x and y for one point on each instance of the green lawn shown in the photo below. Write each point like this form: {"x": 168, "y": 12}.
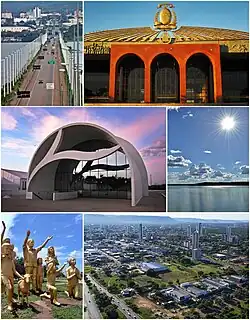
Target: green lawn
{"x": 87, "y": 269}
{"x": 63, "y": 312}
{"x": 145, "y": 313}
{"x": 183, "y": 274}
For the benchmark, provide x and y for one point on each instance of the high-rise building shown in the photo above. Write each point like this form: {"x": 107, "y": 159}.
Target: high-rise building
{"x": 189, "y": 231}
{"x": 141, "y": 232}
{"x": 7, "y": 15}
{"x": 195, "y": 240}
{"x": 228, "y": 233}
{"x": 199, "y": 228}
{"x": 37, "y": 12}
{"x": 196, "y": 254}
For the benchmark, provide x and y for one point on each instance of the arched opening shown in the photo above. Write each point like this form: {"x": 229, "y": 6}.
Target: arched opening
{"x": 199, "y": 85}
{"x": 165, "y": 79}
{"x": 130, "y": 79}
{"x": 109, "y": 177}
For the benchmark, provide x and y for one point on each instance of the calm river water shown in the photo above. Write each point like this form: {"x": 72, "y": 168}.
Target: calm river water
{"x": 208, "y": 199}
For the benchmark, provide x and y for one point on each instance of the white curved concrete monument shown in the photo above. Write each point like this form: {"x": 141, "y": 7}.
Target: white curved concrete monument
{"x": 62, "y": 151}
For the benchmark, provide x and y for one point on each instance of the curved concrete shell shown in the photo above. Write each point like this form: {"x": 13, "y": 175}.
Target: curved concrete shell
{"x": 69, "y": 145}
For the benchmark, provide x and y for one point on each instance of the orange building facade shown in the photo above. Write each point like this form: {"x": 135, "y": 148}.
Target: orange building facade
{"x": 167, "y": 64}
{"x": 181, "y": 53}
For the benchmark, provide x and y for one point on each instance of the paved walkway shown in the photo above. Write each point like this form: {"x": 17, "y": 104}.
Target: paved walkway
{"x": 156, "y": 202}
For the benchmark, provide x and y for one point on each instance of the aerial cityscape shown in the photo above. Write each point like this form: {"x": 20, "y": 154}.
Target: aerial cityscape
{"x": 154, "y": 267}
{"x": 41, "y": 45}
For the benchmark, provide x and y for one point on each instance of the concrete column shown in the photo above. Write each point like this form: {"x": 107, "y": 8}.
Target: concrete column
{"x": 112, "y": 78}
{"x": 217, "y": 81}
{"x": 183, "y": 81}
{"x": 147, "y": 83}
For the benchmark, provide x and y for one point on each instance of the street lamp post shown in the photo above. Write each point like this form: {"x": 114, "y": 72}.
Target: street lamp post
{"x": 7, "y": 74}
{"x": 12, "y": 78}
{"x": 4, "y": 84}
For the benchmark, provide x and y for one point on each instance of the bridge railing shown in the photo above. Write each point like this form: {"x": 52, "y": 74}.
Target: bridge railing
{"x": 16, "y": 62}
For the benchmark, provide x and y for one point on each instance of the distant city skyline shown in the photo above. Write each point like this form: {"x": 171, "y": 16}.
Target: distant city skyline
{"x": 205, "y": 215}
{"x": 58, "y": 6}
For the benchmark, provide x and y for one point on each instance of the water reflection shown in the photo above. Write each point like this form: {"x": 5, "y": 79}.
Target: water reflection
{"x": 208, "y": 199}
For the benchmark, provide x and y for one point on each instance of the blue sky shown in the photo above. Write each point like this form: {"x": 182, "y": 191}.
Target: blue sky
{"x": 23, "y": 129}
{"x": 200, "y": 150}
{"x": 66, "y": 230}
{"x": 103, "y": 15}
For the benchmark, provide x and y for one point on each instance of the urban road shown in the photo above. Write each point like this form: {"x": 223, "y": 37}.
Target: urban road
{"x": 92, "y": 310}
{"x": 128, "y": 312}
{"x": 36, "y": 81}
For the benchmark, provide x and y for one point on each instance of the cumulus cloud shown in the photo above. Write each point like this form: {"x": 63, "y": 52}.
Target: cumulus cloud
{"x": 207, "y": 151}
{"x": 175, "y": 151}
{"x": 217, "y": 173}
{"x": 200, "y": 170}
{"x": 238, "y": 162}
{"x": 244, "y": 169}
{"x": 8, "y": 121}
{"x": 157, "y": 149}
{"x": 77, "y": 254}
{"x": 178, "y": 161}
{"x": 220, "y": 167}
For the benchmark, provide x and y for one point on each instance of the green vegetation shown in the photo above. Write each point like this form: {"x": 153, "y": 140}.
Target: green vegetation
{"x": 145, "y": 313}
{"x": 87, "y": 269}
{"x": 63, "y": 312}
{"x": 73, "y": 312}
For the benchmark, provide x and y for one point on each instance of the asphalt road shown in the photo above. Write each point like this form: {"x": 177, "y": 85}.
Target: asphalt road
{"x": 129, "y": 313}
{"x": 48, "y": 73}
{"x": 92, "y": 309}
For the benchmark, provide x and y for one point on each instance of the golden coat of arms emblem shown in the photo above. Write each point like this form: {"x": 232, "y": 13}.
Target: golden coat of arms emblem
{"x": 165, "y": 18}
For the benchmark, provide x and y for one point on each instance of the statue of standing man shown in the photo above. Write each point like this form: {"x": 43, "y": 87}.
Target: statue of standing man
{"x": 30, "y": 257}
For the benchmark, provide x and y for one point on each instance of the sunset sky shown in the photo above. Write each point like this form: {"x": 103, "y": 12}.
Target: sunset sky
{"x": 23, "y": 129}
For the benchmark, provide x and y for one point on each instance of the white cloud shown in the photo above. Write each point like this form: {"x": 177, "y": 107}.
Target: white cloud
{"x": 179, "y": 161}
{"x": 175, "y": 151}
{"x": 220, "y": 166}
{"x": 244, "y": 169}
{"x": 207, "y": 151}
{"x": 9, "y": 220}
{"x": 70, "y": 236}
{"x": 8, "y": 121}
{"x": 76, "y": 254}
{"x": 238, "y": 162}
{"x": 27, "y": 112}
{"x": 217, "y": 173}
{"x": 78, "y": 218}
{"x": 187, "y": 115}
